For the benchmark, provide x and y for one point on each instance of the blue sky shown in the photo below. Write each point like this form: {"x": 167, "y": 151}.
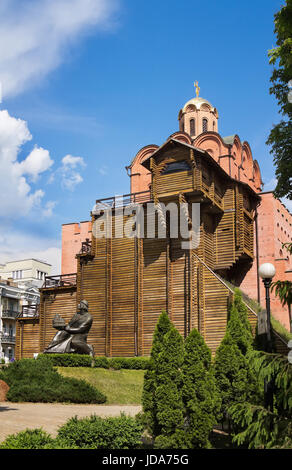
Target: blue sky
{"x": 95, "y": 80}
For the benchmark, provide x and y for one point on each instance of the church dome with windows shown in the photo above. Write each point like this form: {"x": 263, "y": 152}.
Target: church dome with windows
{"x": 197, "y": 102}
{"x": 198, "y": 115}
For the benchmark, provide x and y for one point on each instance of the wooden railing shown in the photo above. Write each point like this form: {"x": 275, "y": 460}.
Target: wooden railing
{"x": 121, "y": 201}
{"x": 64, "y": 280}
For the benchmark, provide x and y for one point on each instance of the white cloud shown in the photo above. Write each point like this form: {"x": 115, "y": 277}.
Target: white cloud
{"x": 103, "y": 170}
{"x": 48, "y": 209}
{"x": 16, "y": 245}
{"x": 270, "y": 185}
{"x": 287, "y": 203}
{"x": 36, "y": 34}
{"x": 36, "y": 163}
{"x": 17, "y": 194}
{"x": 72, "y": 162}
{"x": 70, "y": 176}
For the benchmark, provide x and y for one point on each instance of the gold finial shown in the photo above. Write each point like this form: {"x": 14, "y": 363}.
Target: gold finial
{"x": 196, "y": 85}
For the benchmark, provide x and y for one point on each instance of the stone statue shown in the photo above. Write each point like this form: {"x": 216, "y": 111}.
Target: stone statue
{"x": 72, "y": 338}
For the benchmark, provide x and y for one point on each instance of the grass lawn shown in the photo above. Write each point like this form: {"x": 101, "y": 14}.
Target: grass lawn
{"x": 122, "y": 387}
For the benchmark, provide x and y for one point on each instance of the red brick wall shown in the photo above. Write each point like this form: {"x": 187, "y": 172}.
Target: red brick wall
{"x": 274, "y": 228}
{"x": 72, "y": 237}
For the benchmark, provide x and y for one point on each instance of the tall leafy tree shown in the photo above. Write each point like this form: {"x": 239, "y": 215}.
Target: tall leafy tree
{"x": 280, "y": 138}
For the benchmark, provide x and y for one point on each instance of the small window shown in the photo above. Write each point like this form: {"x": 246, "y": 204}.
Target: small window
{"x": 175, "y": 167}
{"x": 192, "y": 127}
{"x": 205, "y": 125}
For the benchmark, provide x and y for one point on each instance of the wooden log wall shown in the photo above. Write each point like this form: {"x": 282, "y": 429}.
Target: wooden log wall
{"x": 27, "y": 338}
{"x": 60, "y": 300}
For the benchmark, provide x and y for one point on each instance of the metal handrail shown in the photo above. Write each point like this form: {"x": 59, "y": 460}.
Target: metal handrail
{"x": 29, "y": 311}
{"x": 7, "y": 338}
{"x": 62, "y": 280}
{"x": 7, "y": 313}
{"x": 126, "y": 199}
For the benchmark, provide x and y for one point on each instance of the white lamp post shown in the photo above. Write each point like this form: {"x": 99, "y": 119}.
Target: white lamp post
{"x": 267, "y": 272}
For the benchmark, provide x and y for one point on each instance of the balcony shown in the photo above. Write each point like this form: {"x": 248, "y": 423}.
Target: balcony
{"x": 7, "y": 338}
{"x": 64, "y": 280}
{"x": 29, "y": 311}
{"x": 9, "y": 314}
{"x": 121, "y": 201}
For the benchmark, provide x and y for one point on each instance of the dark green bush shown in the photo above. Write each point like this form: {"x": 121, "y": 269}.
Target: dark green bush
{"x": 128, "y": 363}
{"x": 82, "y": 360}
{"x": 28, "y": 439}
{"x": 123, "y": 432}
{"x": 67, "y": 360}
{"x": 38, "y": 381}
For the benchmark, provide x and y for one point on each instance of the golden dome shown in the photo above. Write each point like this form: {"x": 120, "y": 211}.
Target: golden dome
{"x": 197, "y": 102}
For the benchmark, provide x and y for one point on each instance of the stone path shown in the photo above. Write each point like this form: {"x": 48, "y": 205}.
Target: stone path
{"x": 15, "y": 417}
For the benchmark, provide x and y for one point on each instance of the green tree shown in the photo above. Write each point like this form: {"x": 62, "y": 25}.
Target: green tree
{"x": 168, "y": 396}
{"x": 234, "y": 377}
{"x": 280, "y": 138}
{"x": 200, "y": 394}
{"x": 259, "y": 427}
{"x": 163, "y": 326}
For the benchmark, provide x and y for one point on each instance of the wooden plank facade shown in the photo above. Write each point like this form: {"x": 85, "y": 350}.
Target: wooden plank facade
{"x": 129, "y": 281}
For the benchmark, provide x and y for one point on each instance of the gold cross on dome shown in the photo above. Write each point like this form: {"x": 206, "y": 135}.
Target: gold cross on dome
{"x": 196, "y": 85}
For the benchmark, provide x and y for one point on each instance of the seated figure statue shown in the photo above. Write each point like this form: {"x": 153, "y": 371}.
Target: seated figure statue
{"x": 72, "y": 338}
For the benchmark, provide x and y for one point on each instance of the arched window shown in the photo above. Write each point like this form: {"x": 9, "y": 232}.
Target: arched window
{"x": 192, "y": 127}
{"x": 205, "y": 125}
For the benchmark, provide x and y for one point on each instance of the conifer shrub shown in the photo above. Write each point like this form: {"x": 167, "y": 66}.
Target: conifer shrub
{"x": 28, "y": 439}
{"x": 235, "y": 378}
{"x": 122, "y": 432}
{"x": 257, "y": 426}
{"x": 200, "y": 394}
{"x": 38, "y": 381}
{"x": 150, "y": 385}
{"x": 168, "y": 396}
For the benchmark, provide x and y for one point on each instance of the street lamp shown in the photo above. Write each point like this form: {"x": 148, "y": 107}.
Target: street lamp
{"x": 267, "y": 272}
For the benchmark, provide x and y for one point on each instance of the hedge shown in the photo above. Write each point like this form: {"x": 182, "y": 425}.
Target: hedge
{"x": 82, "y": 360}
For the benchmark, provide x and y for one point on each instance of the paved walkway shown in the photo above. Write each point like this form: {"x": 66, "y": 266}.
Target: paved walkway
{"x": 15, "y": 417}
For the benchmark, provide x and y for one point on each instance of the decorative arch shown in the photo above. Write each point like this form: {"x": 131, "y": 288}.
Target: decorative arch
{"x": 247, "y": 160}
{"x": 205, "y": 107}
{"x": 190, "y": 108}
{"x": 144, "y": 153}
{"x": 182, "y": 136}
{"x": 236, "y": 150}
{"x": 257, "y": 175}
{"x": 211, "y": 141}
